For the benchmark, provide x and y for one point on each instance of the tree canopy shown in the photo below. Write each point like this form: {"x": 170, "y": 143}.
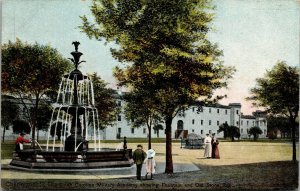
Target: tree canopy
{"x": 255, "y": 131}
{"x": 28, "y": 72}
{"x": 229, "y": 131}
{"x": 165, "y": 50}
{"x": 278, "y": 92}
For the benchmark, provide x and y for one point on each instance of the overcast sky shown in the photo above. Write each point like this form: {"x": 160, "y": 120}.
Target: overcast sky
{"x": 253, "y": 35}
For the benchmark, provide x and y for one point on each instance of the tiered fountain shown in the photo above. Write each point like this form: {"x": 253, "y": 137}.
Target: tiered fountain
{"x": 75, "y": 111}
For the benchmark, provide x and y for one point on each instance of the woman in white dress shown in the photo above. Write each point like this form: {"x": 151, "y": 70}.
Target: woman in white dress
{"x": 150, "y": 163}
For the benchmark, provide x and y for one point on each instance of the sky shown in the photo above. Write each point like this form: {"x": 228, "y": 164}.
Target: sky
{"x": 253, "y": 36}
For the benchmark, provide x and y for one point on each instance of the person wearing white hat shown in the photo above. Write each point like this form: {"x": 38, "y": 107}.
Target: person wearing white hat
{"x": 150, "y": 163}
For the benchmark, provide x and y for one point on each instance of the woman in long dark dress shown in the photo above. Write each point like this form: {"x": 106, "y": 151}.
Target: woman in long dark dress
{"x": 215, "y": 149}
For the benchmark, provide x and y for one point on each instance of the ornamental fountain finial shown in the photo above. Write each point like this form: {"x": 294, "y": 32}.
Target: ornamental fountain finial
{"x": 76, "y": 44}
{"x": 76, "y": 55}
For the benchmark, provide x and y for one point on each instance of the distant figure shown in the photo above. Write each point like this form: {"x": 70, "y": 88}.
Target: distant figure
{"x": 207, "y": 142}
{"x": 215, "y": 149}
{"x": 150, "y": 163}
{"x": 19, "y": 142}
{"x": 139, "y": 156}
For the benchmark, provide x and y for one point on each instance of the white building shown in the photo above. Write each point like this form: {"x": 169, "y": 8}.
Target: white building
{"x": 206, "y": 121}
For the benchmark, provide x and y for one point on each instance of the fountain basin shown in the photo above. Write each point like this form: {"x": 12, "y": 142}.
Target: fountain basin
{"x": 57, "y": 160}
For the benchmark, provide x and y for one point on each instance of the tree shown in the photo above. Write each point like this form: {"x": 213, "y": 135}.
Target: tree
{"x": 165, "y": 49}
{"x": 276, "y": 123}
{"x": 255, "y": 131}
{"x": 105, "y": 100}
{"x": 28, "y": 72}
{"x": 140, "y": 110}
{"x": 278, "y": 92}
{"x": 158, "y": 127}
{"x": 229, "y": 131}
{"x": 9, "y": 112}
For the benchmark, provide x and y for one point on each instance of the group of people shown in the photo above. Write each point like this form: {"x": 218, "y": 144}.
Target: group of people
{"x": 139, "y": 156}
{"x": 211, "y": 149}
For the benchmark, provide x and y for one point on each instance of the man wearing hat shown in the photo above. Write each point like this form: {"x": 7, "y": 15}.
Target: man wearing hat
{"x": 19, "y": 142}
{"x": 207, "y": 149}
{"x": 139, "y": 156}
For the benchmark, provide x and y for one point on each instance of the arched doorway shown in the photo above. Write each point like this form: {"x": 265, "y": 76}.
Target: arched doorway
{"x": 179, "y": 129}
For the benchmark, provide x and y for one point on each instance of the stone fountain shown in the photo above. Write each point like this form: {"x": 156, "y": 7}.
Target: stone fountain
{"x": 75, "y": 120}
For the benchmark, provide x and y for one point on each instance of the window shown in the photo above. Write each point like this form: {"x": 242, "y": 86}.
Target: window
{"x": 201, "y": 122}
{"x": 132, "y": 130}
{"x": 247, "y": 123}
{"x": 225, "y": 111}
{"x": 209, "y": 122}
{"x": 193, "y": 130}
{"x": 209, "y": 131}
{"x": 218, "y": 123}
{"x": 209, "y": 110}
{"x": 201, "y": 132}
{"x": 119, "y": 118}
{"x": 237, "y": 111}
{"x": 119, "y": 103}
{"x": 144, "y": 130}
{"x": 193, "y": 121}
{"x": 218, "y": 111}
{"x": 193, "y": 109}
{"x": 237, "y": 122}
{"x": 241, "y": 122}
{"x": 241, "y": 130}
{"x": 265, "y": 131}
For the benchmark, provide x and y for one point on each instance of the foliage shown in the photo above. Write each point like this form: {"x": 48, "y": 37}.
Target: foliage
{"x": 140, "y": 110}
{"x": 276, "y": 123}
{"x": 255, "y": 131}
{"x": 105, "y": 100}
{"x": 166, "y": 50}
{"x": 28, "y": 72}
{"x": 229, "y": 131}
{"x": 21, "y": 126}
{"x": 158, "y": 127}
{"x": 278, "y": 92}
{"x": 10, "y": 111}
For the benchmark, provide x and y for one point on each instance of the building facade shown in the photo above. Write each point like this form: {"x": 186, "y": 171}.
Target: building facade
{"x": 206, "y": 121}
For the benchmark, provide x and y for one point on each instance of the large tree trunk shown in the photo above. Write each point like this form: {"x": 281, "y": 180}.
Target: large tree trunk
{"x": 3, "y": 135}
{"x": 169, "y": 160}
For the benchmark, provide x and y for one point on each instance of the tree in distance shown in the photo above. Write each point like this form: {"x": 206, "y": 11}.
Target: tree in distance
{"x": 255, "y": 131}
{"x": 278, "y": 92}
{"x": 29, "y": 71}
